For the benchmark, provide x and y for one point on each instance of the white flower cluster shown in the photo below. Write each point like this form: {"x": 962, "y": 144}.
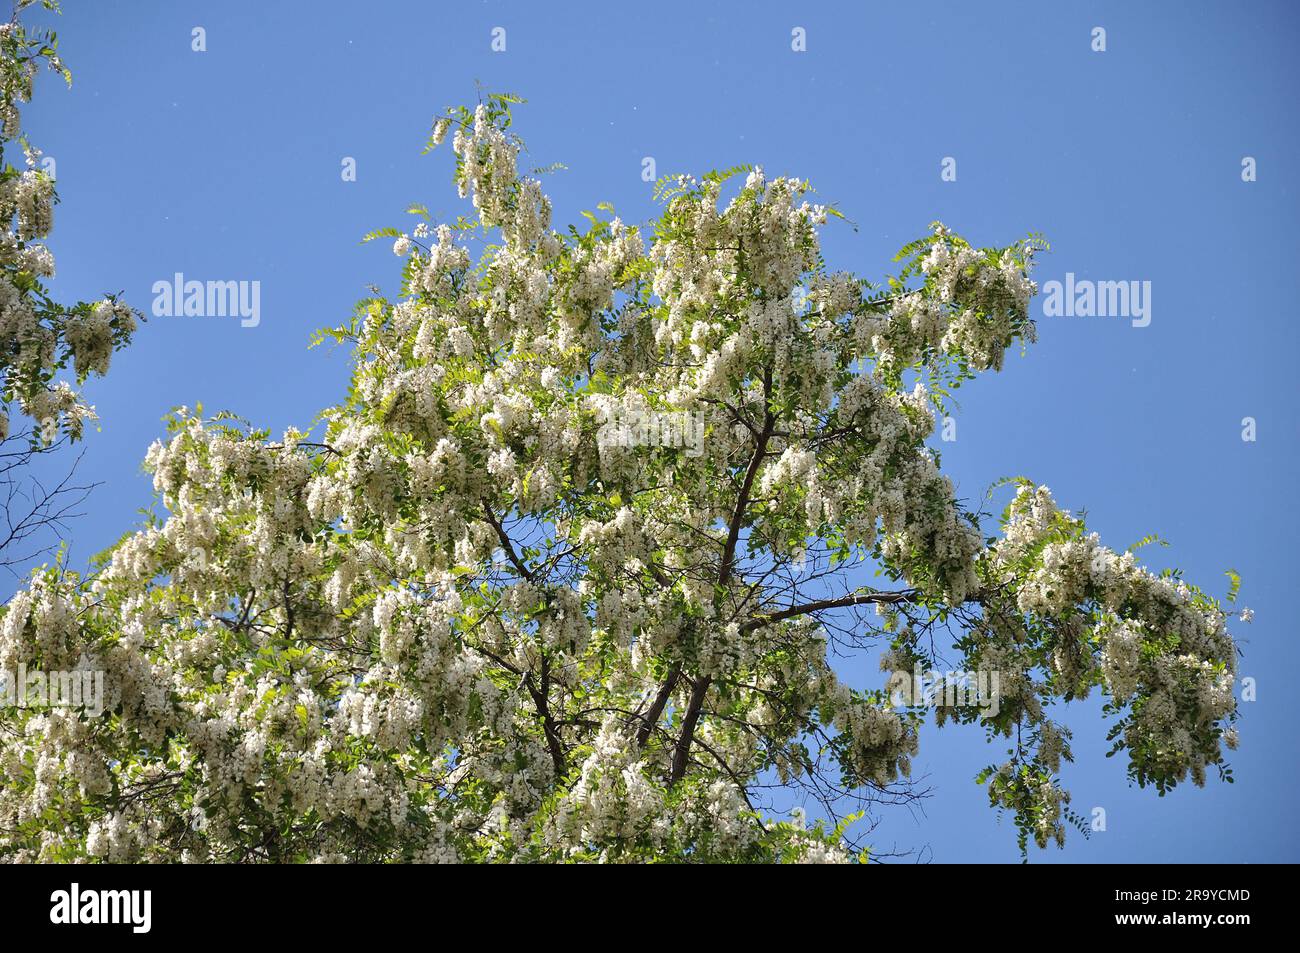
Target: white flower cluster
{"x": 612, "y": 799}
{"x": 39, "y": 338}
{"x": 879, "y": 743}
{"x": 1154, "y": 642}
{"x": 1037, "y": 802}
{"x": 973, "y": 306}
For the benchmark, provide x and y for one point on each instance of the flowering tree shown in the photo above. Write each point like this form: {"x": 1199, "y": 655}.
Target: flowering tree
{"x": 39, "y": 338}
{"x": 480, "y": 616}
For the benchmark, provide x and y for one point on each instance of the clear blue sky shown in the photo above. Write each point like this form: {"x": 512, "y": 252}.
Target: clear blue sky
{"x": 226, "y": 165}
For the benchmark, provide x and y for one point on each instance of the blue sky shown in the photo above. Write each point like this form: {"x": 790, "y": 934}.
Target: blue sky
{"x": 226, "y": 165}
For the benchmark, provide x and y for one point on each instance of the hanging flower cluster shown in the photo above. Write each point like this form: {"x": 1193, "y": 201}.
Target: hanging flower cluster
{"x": 39, "y": 337}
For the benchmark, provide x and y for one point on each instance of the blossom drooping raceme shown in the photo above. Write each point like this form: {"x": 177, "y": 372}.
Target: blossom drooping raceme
{"x": 39, "y": 338}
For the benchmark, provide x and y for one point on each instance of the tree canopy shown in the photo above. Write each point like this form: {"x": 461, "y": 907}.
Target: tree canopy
{"x": 494, "y": 606}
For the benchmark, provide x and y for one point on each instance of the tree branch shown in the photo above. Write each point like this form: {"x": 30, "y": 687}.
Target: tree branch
{"x": 857, "y": 599}
{"x": 700, "y": 686}
{"x": 507, "y": 544}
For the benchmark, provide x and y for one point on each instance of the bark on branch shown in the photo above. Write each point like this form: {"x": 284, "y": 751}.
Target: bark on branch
{"x": 700, "y": 686}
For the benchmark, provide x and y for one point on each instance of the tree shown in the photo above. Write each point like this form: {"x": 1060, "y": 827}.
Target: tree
{"x": 502, "y": 605}
{"x": 39, "y": 338}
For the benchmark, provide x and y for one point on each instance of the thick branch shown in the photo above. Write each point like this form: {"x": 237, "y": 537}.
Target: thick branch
{"x": 682, "y": 753}
{"x": 553, "y": 743}
{"x": 700, "y": 687}
{"x": 656, "y": 711}
{"x": 857, "y": 599}
{"x": 742, "y": 501}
